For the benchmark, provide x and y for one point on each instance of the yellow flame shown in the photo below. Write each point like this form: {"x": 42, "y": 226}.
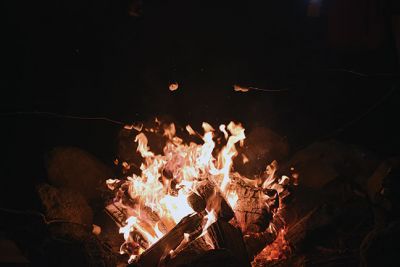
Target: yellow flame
{"x": 232, "y": 199}
{"x": 169, "y": 131}
{"x": 177, "y": 207}
{"x": 167, "y": 179}
{"x": 141, "y": 139}
{"x": 222, "y": 128}
{"x": 190, "y": 130}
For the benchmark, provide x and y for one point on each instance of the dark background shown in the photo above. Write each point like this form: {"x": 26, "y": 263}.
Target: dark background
{"x": 101, "y": 59}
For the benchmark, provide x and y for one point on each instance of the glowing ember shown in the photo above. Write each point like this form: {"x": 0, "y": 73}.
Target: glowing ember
{"x": 278, "y": 250}
{"x": 157, "y": 199}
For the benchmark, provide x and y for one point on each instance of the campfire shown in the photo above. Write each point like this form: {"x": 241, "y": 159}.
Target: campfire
{"x": 208, "y": 196}
{"x": 190, "y": 198}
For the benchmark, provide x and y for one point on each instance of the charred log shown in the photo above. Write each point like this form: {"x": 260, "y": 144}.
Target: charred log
{"x": 251, "y": 211}
{"x": 230, "y": 238}
{"x": 152, "y": 256}
{"x": 208, "y": 197}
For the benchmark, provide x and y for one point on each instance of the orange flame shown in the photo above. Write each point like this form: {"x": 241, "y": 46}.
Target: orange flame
{"x": 158, "y": 196}
{"x": 166, "y": 180}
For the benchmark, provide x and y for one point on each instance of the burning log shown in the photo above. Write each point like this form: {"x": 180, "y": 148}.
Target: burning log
{"x": 256, "y": 242}
{"x": 321, "y": 217}
{"x": 152, "y": 256}
{"x": 229, "y": 237}
{"x": 251, "y": 210}
{"x": 209, "y": 197}
{"x": 187, "y": 178}
{"x": 223, "y": 236}
{"x": 140, "y": 234}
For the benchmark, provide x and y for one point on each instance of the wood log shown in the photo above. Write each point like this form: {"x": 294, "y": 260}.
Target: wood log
{"x": 296, "y": 234}
{"x": 152, "y": 256}
{"x": 316, "y": 219}
{"x": 223, "y": 236}
{"x": 256, "y": 242}
{"x": 208, "y": 197}
{"x": 251, "y": 211}
{"x": 226, "y": 236}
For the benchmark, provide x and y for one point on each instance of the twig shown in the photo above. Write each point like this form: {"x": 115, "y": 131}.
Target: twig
{"x": 244, "y": 89}
{"x": 269, "y": 90}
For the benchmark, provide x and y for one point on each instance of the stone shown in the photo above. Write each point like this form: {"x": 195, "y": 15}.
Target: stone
{"x": 321, "y": 162}
{"x": 64, "y": 204}
{"x": 62, "y": 236}
{"x": 78, "y": 170}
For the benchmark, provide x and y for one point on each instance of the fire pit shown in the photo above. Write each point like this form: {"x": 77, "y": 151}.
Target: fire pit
{"x": 183, "y": 197}
{"x": 189, "y": 198}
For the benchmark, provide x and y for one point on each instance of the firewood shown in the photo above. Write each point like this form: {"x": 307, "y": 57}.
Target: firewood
{"x": 223, "y": 235}
{"x": 209, "y": 258}
{"x": 256, "y": 242}
{"x": 208, "y": 197}
{"x": 316, "y": 219}
{"x": 152, "y": 256}
{"x": 196, "y": 202}
{"x": 251, "y": 211}
{"x": 226, "y": 236}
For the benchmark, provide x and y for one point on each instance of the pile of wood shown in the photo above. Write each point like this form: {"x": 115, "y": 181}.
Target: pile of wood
{"x": 243, "y": 232}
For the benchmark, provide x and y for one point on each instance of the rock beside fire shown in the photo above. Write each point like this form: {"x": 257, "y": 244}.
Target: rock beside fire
{"x": 86, "y": 251}
{"x": 76, "y": 169}
{"x": 322, "y": 162}
{"x": 65, "y": 205}
{"x": 68, "y": 240}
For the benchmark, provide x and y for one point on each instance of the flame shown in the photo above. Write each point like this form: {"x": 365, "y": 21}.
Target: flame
{"x": 177, "y": 206}
{"x": 222, "y": 128}
{"x": 169, "y": 131}
{"x": 141, "y": 139}
{"x": 158, "y": 232}
{"x": 157, "y": 199}
{"x": 245, "y": 159}
{"x": 278, "y": 250}
{"x": 158, "y": 196}
{"x": 229, "y": 152}
{"x": 211, "y": 218}
{"x": 190, "y": 130}
{"x": 232, "y": 199}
